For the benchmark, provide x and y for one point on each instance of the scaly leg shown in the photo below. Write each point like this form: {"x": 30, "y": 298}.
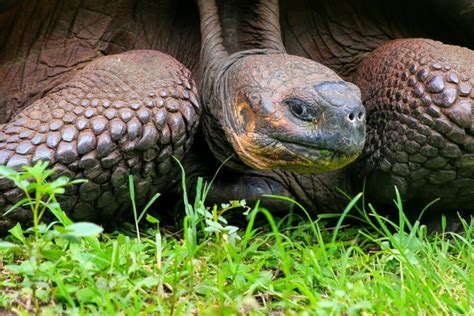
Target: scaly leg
{"x": 121, "y": 114}
{"x": 420, "y": 131}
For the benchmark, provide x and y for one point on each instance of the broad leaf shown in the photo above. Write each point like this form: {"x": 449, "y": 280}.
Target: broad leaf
{"x": 82, "y": 229}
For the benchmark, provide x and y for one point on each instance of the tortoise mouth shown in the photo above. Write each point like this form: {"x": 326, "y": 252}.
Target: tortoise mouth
{"x": 310, "y": 158}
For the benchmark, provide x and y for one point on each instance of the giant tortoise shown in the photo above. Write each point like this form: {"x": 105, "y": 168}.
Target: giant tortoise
{"x": 307, "y": 97}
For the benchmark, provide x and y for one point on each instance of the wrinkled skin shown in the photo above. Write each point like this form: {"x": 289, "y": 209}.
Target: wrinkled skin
{"x": 41, "y": 67}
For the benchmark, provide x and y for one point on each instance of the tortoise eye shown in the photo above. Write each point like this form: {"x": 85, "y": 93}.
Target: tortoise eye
{"x": 301, "y": 109}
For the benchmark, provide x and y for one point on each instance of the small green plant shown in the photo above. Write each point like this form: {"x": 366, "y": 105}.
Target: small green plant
{"x": 137, "y": 218}
{"x": 217, "y": 224}
{"x": 210, "y": 220}
{"x": 40, "y": 196}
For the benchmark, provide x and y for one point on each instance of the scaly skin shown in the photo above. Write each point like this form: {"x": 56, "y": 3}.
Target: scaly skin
{"x": 419, "y": 97}
{"x": 122, "y": 114}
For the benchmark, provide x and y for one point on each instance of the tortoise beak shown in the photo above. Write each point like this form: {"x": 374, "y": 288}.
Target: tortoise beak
{"x": 343, "y": 117}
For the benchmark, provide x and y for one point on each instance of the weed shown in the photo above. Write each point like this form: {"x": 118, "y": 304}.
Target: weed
{"x": 40, "y": 195}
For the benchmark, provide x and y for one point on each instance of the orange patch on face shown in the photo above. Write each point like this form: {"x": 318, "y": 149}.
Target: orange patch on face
{"x": 245, "y": 117}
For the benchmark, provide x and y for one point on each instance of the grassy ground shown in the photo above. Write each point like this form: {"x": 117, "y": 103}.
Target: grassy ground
{"x": 264, "y": 265}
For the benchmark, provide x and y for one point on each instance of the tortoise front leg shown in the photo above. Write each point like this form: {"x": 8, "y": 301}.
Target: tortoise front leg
{"x": 420, "y": 131}
{"x": 121, "y": 114}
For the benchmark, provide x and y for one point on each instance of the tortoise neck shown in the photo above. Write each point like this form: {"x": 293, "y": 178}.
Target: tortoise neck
{"x": 213, "y": 51}
{"x": 219, "y": 97}
{"x": 251, "y": 24}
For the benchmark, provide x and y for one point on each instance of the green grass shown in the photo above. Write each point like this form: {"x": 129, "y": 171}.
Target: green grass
{"x": 289, "y": 265}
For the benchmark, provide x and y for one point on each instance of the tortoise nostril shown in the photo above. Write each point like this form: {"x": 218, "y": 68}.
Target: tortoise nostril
{"x": 355, "y": 116}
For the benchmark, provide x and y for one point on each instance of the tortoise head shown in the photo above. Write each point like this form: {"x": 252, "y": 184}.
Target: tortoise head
{"x": 287, "y": 112}
{"x": 274, "y": 110}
